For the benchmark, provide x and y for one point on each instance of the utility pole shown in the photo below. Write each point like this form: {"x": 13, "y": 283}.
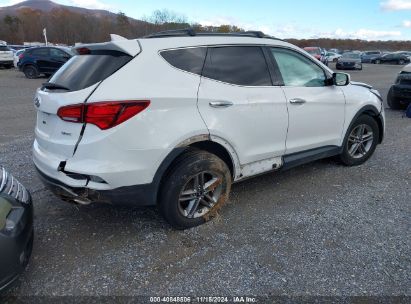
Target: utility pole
{"x": 45, "y": 35}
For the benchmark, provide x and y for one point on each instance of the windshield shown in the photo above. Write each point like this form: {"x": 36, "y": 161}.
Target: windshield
{"x": 351, "y": 55}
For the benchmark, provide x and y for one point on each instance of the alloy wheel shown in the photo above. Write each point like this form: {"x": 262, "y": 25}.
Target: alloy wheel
{"x": 360, "y": 141}
{"x": 200, "y": 194}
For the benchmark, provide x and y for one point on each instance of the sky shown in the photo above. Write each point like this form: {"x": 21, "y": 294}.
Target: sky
{"x": 356, "y": 19}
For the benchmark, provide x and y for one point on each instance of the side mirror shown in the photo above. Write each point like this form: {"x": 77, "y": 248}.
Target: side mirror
{"x": 341, "y": 79}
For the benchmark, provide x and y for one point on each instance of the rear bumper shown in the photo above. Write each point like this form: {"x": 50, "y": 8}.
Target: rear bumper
{"x": 137, "y": 195}
{"x": 6, "y": 62}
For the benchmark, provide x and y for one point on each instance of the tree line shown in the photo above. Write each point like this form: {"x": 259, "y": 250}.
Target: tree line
{"x": 68, "y": 27}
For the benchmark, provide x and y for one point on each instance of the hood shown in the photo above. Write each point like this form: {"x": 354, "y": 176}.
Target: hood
{"x": 407, "y": 68}
{"x": 361, "y": 84}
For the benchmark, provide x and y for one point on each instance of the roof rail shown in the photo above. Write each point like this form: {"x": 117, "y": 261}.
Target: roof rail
{"x": 172, "y": 33}
{"x": 191, "y": 32}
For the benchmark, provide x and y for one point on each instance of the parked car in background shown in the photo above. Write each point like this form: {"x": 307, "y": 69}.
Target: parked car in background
{"x": 109, "y": 122}
{"x": 399, "y": 95}
{"x": 332, "y": 57}
{"x": 349, "y": 61}
{"x": 367, "y": 56}
{"x": 337, "y": 51}
{"x": 6, "y": 56}
{"x": 405, "y": 53}
{"x": 16, "y": 228}
{"x": 393, "y": 58}
{"x": 43, "y": 60}
{"x": 17, "y": 57}
{"x": 317, "y": 53}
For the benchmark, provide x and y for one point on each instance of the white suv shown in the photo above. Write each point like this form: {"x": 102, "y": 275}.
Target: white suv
{"x": 174, "y": 118}
{"x": 6, "y": 56}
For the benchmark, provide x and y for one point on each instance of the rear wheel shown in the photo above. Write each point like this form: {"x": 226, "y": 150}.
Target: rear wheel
{"x": 30, "y": 72}
{"x": 360, "y": 141}
{"x": 393, "y": 102}
{"x": 196, "y": 187}
{"x": 401, "y": 61}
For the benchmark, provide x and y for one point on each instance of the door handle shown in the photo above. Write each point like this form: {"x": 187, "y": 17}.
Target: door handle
{"x": 220, "y": 104}
{"x": 297, "y": 101}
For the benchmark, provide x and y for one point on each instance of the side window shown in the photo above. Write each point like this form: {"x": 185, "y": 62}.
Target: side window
{"x": 40, "y": 52}
{"x": 57, "y": 53}
{"x": 240, "y": 65}
{"x": 297, "y": 70}
{"x": 189, "y": 59}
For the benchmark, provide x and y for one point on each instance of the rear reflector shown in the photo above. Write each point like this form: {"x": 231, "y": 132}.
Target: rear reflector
{"x": 104, "y": 115}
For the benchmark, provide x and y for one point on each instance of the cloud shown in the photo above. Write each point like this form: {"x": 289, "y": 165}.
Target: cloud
{"x": 406, "y": 23}
{"x": 92, "y": 4}
{"x": 396, "y": 5}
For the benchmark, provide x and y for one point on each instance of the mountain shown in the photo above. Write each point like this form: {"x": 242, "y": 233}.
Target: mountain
{"x": 47, "y": 6}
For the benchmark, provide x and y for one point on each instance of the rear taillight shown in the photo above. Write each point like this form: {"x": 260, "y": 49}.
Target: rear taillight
{"x": 21, "y": 55}
{"x": 104, "y": 115}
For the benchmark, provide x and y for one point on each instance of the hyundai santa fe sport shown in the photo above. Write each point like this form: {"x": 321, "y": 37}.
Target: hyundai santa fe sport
{"x": 173, "y": 119}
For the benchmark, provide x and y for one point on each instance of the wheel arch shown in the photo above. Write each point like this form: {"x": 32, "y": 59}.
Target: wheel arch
{"x": 375, "y": 114}
{"x": 211, "y": 144}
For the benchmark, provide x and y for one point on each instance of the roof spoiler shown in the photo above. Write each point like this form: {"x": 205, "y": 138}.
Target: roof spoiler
{"x": 117, "y": 43}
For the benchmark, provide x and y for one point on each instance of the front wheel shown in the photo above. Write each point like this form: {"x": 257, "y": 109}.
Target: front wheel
{"x": 377, "y": 61}
{"x": 195, "y": 188}
{"x": 401, "y": 62}
{"x": 360, "y": 141}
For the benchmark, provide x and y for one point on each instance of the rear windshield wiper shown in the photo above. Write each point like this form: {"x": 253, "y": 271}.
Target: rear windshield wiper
{"x": 54, "y": 86}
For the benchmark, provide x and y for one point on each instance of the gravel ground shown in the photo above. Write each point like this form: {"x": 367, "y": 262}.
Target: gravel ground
{"x": 320, "y": 229}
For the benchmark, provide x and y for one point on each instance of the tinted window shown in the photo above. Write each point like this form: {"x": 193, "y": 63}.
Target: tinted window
{"x": 297, "y": 70}
{"x": 4, "y": 48}
{"x": 57, "y": 53}
{"x": 40, "y": 52}
{"x": 83, "y": 71}
{"x": 241, "y": 65}
{"x": 190, "y": 59}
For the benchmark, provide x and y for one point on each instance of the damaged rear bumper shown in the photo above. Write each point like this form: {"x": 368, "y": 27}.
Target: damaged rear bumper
{"x": 137, "y": 195}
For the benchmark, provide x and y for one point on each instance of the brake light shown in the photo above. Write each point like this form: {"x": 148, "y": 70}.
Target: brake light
{"x": 83, "y": 51}
{"x": 21, "y": 55}
{"x": 104, "y": 115}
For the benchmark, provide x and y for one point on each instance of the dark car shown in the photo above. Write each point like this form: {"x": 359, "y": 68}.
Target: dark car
{"x": 399, "y": 95}
{"x": 43, "y": 60}
{"x": 317, "y": 53}
{"x": 394, "y": 58}
{"x": 367, "y": 56}
{"x": 16, "y": 228}
{"x": 349, "y": 61}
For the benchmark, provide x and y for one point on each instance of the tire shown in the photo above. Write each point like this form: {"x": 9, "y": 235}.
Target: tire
{"x": 191, "y": 209}
{"x": 394, "y": 103}
{"x": 31, "y": 72}
{"x": 401, "y": 62}
{"x": 377, "y": 61}
{"x": 358, "y": 147}
{"x": 335, "y": 60}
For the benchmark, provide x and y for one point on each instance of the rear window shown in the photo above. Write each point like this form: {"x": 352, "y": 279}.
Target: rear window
{"x": 240, "y": 65}
{"x": 82, "y": 71}
{"x": 189, "y": 59}
{"x": 4, "y": 48}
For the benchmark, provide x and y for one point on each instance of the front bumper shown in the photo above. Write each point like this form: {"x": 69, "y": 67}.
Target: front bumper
{"x": 16, "y": 238}
{"x": 137, "y": 195}
{"x": 402, "y": 92}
